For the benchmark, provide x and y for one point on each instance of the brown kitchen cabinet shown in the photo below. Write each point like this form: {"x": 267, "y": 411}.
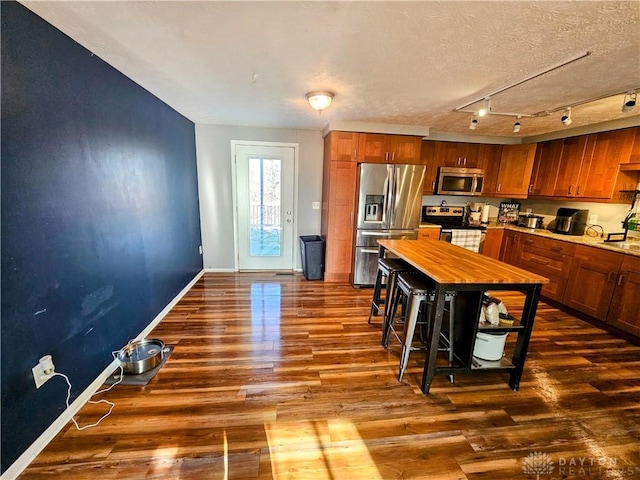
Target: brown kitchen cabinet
{"x": 547, "y": 257}
{"x": 431, "y": 233}
{"x": 382, "y": 148}
{"x": 624, "y": 312}
{"x": 338, "y": 204}
{"x": 492, "y": 244}
{"x": 514, "y": 175}
{"x": 593, "y": 278}
{"x": 458, "y": 154}
{"x": 545, "y": 168}
{"x": 428, "y": 158}
{"x": 490, "y": 156}
{"x": 511, "y": 245}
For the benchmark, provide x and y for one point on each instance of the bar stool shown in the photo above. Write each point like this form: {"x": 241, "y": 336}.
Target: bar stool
{"x": 389, "y": 268}
{"x": 419, "y": 292}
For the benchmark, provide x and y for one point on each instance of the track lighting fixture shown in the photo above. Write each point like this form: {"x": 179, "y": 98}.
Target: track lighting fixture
{"x": 629, "y": 101}
{"x": 474, "y": 123}
{"x": 486, "y": 107}
{"x": 516, "y": 127}
{"x": 566, "y": 117}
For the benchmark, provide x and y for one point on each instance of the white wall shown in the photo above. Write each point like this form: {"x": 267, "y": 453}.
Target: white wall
{"x": 213, "y": 149}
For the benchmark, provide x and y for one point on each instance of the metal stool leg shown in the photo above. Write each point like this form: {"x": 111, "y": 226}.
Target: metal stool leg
{"x": 411, "y": 319}
{"x": 376, "y": 301}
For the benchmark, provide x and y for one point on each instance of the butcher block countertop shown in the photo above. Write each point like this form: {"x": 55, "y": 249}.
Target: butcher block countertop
{"x": 449, "y": 264}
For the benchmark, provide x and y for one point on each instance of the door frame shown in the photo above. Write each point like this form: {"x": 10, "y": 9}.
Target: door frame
{"x": 234, "y": 187}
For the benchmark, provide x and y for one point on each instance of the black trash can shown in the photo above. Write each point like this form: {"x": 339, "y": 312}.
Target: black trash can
{"x": 312, "y": 251}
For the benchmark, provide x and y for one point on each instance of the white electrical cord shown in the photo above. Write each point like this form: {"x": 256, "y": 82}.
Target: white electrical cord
{"x": 115, "y": 354}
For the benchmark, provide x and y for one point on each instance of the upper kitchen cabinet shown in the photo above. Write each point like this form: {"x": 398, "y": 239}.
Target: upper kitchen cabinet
{"x": 457, "y": 154}
{"x": 587, "y": 166}
{"x": 489, "y": 160}
{"x": 545, "y": 168}
{"x": 428, "y": 158}
{"x": 380, "y": 148}
{"x": 514, "y": 175}
{"x": 342, "y": 146}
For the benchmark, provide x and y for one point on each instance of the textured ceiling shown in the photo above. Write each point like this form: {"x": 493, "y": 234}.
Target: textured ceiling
{"x": 406, "y": 63}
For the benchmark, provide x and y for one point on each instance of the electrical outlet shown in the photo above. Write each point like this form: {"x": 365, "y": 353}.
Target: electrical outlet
{"x": 593, "y": 219}
{"x": 43, "y": 371}
{"x": 200, "y": 249}
{"x": 315, "y": 205}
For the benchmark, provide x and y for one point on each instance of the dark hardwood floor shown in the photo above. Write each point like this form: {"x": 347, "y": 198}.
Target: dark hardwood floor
{"x": 276, "y": 377}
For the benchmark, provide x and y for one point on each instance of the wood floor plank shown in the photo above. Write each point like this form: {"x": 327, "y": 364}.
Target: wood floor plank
{"x": 276, "y": 377}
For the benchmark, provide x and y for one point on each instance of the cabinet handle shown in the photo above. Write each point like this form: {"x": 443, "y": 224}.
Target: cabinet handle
{"x": 556, "y": 249}
{"x": 464, "y": 161}
{"x": 539, "y": 260}
{"x": 610, "y": 276}
{"x": 393, "y": 157}
{"x": 528, "y": 241}
{"x": 620, "y": 280}
{"x": 530, "y": 187}
{"x": 433, "y": 185}
{"x": 578, "y": 190}
{"x": 570, "y": 188}
{"x": 498, "y": 189}
{"x": 386, "y": 157}
{"x": 355, "y": 154}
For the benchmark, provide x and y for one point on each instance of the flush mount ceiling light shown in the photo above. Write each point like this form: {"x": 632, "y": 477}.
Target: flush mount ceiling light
{"x": 320, "y": 99}
{"x": 629, "y": 101}
{"x": 566, "y": 117}
{"x": 474, "y": 123}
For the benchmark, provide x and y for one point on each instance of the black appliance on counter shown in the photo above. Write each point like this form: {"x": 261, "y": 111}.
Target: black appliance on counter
{"x": 571, "y": 221}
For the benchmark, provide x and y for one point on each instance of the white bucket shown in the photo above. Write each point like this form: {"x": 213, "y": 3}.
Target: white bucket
{"x": 490, "y": 346}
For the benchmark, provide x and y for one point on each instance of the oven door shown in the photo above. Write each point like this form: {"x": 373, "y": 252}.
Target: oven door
{"x": 445, "y": 235}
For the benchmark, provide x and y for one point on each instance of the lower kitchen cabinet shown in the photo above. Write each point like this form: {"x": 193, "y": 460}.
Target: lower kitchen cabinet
{"x": 431, "y": 233}
{"x": 624, "y": 312}
{"x": 492, "y": 244}
{"x": 592, "y": 281}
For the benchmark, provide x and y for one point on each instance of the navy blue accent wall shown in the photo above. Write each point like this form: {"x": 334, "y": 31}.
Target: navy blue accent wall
{"x": 100, "y": 218}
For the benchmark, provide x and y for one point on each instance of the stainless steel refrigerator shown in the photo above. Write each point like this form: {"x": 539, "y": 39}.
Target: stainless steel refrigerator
{"x": 389, "y": 201}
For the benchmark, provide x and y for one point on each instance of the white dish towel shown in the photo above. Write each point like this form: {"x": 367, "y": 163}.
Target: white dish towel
{"x": 469, "y": 239}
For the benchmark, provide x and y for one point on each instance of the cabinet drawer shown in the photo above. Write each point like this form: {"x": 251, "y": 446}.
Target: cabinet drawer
{"x": 550, "y": 263}
{"x": 549, "y": 244}
{"x": 429, "y": 233}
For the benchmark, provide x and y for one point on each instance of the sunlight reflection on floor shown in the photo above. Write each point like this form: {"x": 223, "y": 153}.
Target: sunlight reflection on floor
{"x": 305, "y": 450}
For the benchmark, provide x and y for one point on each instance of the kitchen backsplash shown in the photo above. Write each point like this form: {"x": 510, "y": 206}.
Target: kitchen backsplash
{"x": 608, "y": 215}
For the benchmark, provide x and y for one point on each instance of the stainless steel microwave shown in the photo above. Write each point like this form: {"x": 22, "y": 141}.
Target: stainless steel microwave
{"x": 460, "y": 181}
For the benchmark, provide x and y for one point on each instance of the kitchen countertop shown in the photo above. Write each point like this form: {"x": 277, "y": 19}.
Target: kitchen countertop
{"x": 632, "y": 244}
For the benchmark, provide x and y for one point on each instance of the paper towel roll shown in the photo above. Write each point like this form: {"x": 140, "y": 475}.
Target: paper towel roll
{"x": 485, "y": 214}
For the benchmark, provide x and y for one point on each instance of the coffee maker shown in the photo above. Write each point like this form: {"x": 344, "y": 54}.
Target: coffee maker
{"x": 571, "y": 221}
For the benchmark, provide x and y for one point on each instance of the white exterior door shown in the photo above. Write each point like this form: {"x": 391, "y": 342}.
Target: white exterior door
{"x": 265, "y": 217}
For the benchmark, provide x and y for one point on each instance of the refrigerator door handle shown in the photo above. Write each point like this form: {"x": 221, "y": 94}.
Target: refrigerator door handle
{"x": 385, "y": 201}
{"x": 387, "y": 233}
{"x": 392, "y": 185}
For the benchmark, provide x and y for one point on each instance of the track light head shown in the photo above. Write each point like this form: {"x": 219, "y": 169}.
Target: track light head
{"x": 516, "y": 127}
{"x": 474, "y": 124}
{"x": 486, "y": 107}
{"x": 566, "y": 117}
{"x": 629, "y": 101}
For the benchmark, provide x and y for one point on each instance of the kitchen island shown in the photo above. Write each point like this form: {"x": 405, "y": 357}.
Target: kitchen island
{"x": 468, "y": 275}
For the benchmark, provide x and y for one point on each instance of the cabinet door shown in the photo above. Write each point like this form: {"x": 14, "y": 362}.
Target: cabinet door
{"x": 511, "y": 247}
{"x": 374, "y": 148}
{"x": 489, "y": 160}
{"x": 493, "y": 243}
{"x": 569, "y": 169}
{"x": 343, "y": 146}
{"x": 341, "y": 204}
{"x": 458, "y": 154}
{"x": 599, "y": 169}
{"x": 634, "y": 156}
{"x": 624, "y": 312}
{"x": 592, "y": 281}
{"x": 429, "y": 233}
{"x": 545, "y": 168}
{"x": 405, "y": 149}
{"x": 428, "y": 158}
{"x": 516, "y": 165}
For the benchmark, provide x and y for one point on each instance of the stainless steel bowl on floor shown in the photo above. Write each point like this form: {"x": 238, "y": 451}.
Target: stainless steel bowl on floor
{"x": 141, "y": 356}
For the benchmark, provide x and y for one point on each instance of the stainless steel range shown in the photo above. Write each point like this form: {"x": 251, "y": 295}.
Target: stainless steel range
{"x": 449, "y": 217}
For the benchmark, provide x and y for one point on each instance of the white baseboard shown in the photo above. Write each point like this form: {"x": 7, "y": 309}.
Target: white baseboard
{"x": 43, "y": 440}
{"x": 219, "y": 270}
